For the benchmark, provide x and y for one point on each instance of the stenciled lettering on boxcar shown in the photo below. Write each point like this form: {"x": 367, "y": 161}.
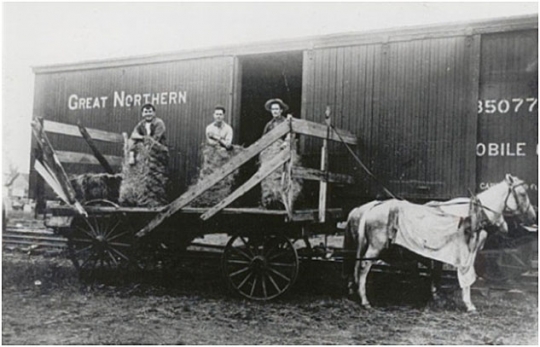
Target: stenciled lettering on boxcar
{"x": 123, "y": 99}
{"x": 507, "y": 109}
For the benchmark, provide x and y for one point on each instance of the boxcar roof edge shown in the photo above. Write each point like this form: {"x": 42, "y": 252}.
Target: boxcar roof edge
{"x": 312, "y": 42}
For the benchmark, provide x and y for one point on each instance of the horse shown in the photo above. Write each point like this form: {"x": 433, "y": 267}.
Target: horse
{"x": 368, "y": 227}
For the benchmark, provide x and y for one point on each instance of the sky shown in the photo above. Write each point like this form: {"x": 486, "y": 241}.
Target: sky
{"x": 37, "y": 34}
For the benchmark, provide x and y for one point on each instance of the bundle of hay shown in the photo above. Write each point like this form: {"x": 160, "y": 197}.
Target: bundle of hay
{"x": 213, "y": 158}
{"x": 93, "y": 186}
{"x": 144, "y": 183}
{"x": 276, "y": 185}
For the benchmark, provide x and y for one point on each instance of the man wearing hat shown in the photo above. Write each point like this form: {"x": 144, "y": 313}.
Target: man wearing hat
{"x": 276, "y": 107}
{"x": 219, "y": 133}
{"x": 151, "y": 126}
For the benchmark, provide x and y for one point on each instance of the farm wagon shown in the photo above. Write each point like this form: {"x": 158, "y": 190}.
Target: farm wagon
{"x": 436, "y": 110}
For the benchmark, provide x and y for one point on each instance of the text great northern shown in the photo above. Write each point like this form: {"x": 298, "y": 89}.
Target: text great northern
{"x": 121, "y": 99}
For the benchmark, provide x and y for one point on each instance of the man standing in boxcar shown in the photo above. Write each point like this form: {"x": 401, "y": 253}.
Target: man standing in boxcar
{"x": 276, "y": 107}
{"x": 219, "y": 133}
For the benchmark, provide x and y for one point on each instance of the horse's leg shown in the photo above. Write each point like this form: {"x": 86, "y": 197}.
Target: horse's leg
{"x": 466, "y": 296}
{"x": 370, "y": 254}
{"x": 466, "y": 291}
{"x": 436, "y": 274}
{"x": 350, "y": 243}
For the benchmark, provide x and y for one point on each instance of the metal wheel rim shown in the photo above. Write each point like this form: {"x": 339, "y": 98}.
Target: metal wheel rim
{"x": 260, "y": 270}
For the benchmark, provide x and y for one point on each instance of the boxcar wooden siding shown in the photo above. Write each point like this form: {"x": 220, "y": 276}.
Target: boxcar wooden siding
{"x": 409, "y": 104}
{"x": 202, "y": 82}
{"x": 437, "y": 109}
{"x": 508, "y": 109}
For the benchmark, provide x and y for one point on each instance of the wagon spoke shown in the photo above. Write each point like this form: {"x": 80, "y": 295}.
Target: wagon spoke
{"x": 267, "y": 252}
{"x": 94, "y": 234}
{"x": 242, "y": 253}
{"x": 244, "y": 280}
{"x": 109, "y": 233}
{"x": 273, "y": 282}
{"x": 282, "y": 264}
{"x": 247, "y": 245}
{"x": 242, "y": 262}
{"x": 82, "y": 250}
{"x": 277, "y": 255}
{"x": 253, "y": 286}
{"x": 279, "y": 274}
{"x": 112, "y": 257}
{"x": 120, "y": 253}
{"x": 265, "y": 294}
{"x": 239, "y": 272}
{"x": 119, "y": 235}
{"x": 97, "y": 226}
{"x": 86, "y": 232}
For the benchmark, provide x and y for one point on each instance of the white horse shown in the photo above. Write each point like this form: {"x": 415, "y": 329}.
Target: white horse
{"x": 372, "y": 235}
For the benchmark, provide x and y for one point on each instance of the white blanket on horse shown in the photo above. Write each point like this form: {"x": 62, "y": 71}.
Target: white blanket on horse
{"x": 436, "y": 235}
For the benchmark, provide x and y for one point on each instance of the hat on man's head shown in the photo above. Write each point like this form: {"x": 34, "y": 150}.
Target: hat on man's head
{"x": 269, "y": 103}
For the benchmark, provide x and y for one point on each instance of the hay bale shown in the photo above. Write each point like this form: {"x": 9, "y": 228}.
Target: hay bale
{"x": 213, "y": 158}
{"x": 275, "y": 184}
{"x": 144, "y": 183}
{"x": 92, "y": 186}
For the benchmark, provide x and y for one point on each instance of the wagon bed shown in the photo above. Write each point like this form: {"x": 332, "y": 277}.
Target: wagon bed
{"x": 260, "y": 261}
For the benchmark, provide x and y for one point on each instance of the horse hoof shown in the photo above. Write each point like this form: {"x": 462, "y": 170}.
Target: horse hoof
{"x": 472, "y": 311}
{"x": 367, "y": 306}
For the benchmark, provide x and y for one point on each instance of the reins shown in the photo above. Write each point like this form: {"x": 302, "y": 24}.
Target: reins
{"x": 364, "y": 167}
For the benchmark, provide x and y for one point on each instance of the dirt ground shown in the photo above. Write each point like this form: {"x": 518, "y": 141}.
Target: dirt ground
{"x": 43, "y": 302}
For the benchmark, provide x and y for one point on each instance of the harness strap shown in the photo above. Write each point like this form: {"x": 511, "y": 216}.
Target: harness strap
{"x": 370, "y": 174}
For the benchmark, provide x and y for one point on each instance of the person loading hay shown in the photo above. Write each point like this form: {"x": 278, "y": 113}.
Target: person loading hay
{"x": 219, "y": 133}
{"x": 273, "y": 187}
{"x": 216, "y": 151}
{"x": 150, "y": 126}
{"x": 146, "y": 159}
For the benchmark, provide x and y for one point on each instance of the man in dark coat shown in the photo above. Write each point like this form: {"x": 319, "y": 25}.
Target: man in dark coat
{"x": 150, "y": 126}
{"x": 276, "y": 107}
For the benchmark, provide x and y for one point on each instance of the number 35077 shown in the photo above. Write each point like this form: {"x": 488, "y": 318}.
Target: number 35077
{"x": 508, "y": 106}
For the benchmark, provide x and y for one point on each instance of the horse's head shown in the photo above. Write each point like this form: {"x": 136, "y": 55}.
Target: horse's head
{"x": 517, "y": 203}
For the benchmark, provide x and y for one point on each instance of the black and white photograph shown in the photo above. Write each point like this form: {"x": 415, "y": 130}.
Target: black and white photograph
{"x": 270, "y": 173}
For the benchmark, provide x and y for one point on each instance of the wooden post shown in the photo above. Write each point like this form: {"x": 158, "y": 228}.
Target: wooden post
{"x": 52, "y": 167}
{"x": 324, "y": 168}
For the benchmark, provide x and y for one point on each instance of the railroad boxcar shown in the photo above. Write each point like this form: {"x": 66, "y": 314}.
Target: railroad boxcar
{"x": 437, "y": 109}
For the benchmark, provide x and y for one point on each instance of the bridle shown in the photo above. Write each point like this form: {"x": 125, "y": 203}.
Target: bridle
{"x": 518, "y": 212}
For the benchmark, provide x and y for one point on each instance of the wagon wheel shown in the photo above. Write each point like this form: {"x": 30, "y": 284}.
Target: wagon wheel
{"x": 506, "y": 263}
{"x": 260, "y": 268}
{"x": 100, "y": 243}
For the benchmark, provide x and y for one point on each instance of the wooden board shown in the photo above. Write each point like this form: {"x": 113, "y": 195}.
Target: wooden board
{"x": 73, "y": 130}
{"x": 212, "y": 179}
{"x": 319, "y": 130}
{"x": 84, "y": 158}
{"x": 263, "y": 172}
{"x": 318, "y": 175}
